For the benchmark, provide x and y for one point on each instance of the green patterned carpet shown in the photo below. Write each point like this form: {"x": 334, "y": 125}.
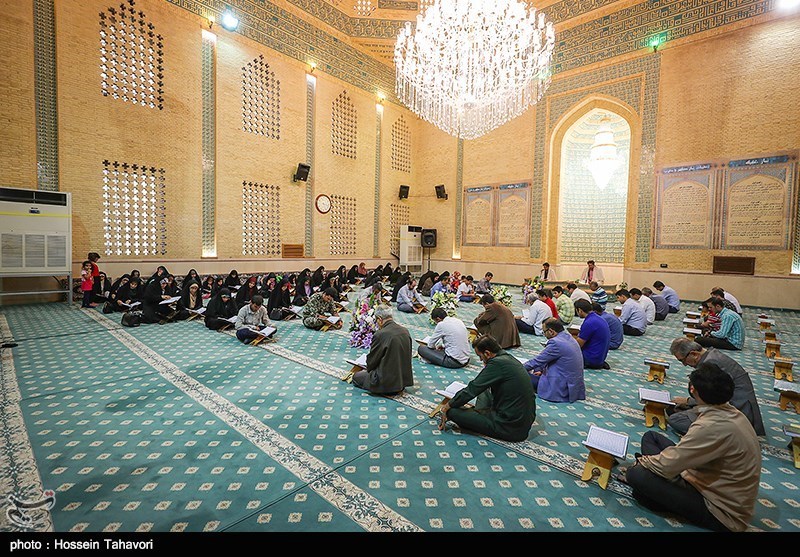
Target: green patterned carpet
{"x": 178, "y": 428}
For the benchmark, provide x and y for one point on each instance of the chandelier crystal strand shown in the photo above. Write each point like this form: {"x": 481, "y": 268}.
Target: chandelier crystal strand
{"x": 470, "y": 66}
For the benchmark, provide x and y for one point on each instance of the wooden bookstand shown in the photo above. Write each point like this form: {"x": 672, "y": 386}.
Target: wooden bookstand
{"x": 439, "y": 407}
{"x": 193, "y": 316}
{"x": 225, "y": 327}
{"x": 473, "y": 334}
{"x": 574, "y": 330}
{"x": 419, "y": 308}
{"x": 691, "y": 334}
{"x": 796, "y": 451}
{"x": 787, "y": 398}
{"x": 618, "y": 311}
{"x": 598, "y": 464}
{"x": 348, "y": 377}
{"x": 783, "y": 369}
{"x": 765, "y": 324}
{"x": 259, "y": 339}
{"x": 772, "y": 348}
{"x": 658, "y": 370}
{"x": 694, "y": 314}
{"x": 655, "y": 412}
{"x": 770, "y": 335}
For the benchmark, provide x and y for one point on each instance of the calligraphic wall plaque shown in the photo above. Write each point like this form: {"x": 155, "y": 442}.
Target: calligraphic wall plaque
{"x": 685, "y": 206}
{"x": 497, "y": 215}
{"x": 478, "y": 208}
{"x": 757, "y": 202}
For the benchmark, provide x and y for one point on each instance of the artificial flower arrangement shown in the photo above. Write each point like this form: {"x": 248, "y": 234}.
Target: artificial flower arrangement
{"x": 363, "y": 326}
{"x": 501, "y": 294}
{"x": 448, "y": 301}
{"x": 530, "y": 287}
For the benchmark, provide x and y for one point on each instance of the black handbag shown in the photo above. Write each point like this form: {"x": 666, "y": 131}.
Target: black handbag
{"x": 132, "y": 319}
{"x": 108, "y": 307}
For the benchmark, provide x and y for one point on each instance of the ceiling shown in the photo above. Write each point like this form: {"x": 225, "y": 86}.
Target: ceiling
{"x": 374, "y": 32}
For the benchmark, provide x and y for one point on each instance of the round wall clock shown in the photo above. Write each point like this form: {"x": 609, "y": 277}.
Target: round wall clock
{"x": 323, "y": 203}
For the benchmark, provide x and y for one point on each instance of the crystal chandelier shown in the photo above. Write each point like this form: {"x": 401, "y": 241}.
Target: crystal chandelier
{"x": 363, "y": 7}
{"x": 603, "y": 157}
{"x": 425, "y": 4}
{"x": 470, "y": 66}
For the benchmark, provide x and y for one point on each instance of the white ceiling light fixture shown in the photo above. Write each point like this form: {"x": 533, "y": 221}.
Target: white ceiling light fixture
{"x": 603, "y": 157}
{"x": 470, "y": 66}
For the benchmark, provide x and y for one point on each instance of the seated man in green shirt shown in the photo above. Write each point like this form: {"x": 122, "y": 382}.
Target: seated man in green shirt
{"x": 506, "y": 404}
{"x": 564, "y": 305}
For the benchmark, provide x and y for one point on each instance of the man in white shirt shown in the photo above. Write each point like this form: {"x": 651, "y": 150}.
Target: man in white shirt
{"x": 448, "y": 346}
{"x": 547, "y": 274}
{"x": 408, "y": 297}
{"x": 466, "y": 292}
{"x": 531, "y": 321}
{"x": 721, "y": 293}
{"x": 592, "y": 273}
{"x": 647, "y": 305}
{"x": 576, "y": 293}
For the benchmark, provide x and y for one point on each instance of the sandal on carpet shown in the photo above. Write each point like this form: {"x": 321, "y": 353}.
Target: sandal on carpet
{"x": 622, "y": 475}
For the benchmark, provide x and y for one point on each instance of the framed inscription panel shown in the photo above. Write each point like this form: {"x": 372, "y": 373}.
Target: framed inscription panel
{"x": 497, "y": 215}
{"x": 513, "y": 214}
{"x": 478, "y": 216}
{"x": 757, "y": 201}
{"x": 685, "y": 206}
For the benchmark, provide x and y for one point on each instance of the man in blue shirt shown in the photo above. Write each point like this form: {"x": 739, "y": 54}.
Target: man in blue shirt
{"x": 558, "y": 369}
{"x": 730, "y": 335}
{"x": 614, "y": 326}
{"x": 669, "y": 295}
{"x": 441, "y": 286}
{"x": 598, "y": 294}
{"x": 633, "y": 318}
{"x": 594, "y": 337}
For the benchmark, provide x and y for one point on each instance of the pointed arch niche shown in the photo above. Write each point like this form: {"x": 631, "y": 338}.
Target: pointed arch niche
{"x": 584, "y": 221}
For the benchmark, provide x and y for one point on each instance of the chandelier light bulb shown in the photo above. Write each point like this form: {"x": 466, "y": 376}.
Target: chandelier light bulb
{"x": 470, "y": 66}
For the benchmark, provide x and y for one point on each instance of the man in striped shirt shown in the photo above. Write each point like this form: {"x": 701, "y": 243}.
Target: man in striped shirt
{"x": 599, "y": 295}
{"x": 730, "y": 335}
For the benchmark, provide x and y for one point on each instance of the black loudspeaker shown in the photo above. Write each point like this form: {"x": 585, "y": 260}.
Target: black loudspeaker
{"x": 429, "y": 238}
{"x": 404, "y": 192}
{"x": 440, "y": 193}
{"x": 302, "y": 173}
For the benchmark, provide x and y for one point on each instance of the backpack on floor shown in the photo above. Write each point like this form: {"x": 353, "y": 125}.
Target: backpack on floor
{"x": 132, "y": 319}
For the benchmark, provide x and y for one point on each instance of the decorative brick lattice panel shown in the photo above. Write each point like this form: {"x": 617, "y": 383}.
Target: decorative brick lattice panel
{"x": 131, "y": 63}
{"x": 261, "y": 225}
{"x": 261, "y": 99}
{"x": 344, "y": 126}
{"x": 209, "y": 239}
{"x": 134, "y": 209}
{"x": 343, "y": 225}
{"x": 401, "y": 146}
{"x": 44, "y": 55}
{"x": 399, "y": 215}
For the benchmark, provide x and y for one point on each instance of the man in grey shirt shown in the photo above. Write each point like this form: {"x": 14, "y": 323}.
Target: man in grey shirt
{"x": 452, "y": 335}
{"x": 689, "y": 353}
